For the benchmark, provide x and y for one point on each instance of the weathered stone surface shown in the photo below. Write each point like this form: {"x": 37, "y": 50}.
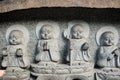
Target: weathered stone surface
{"x": 48, "y": 52}
{"x": 15, "y": 57}
{"x": 77, "y": 34}
{"x": 31, "y": 18}
{"x": 8, "y": 5}
{"x": 108, "y": 54}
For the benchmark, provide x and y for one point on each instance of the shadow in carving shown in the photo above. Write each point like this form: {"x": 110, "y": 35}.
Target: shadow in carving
{"x": 108, "y": 53}
{"x": 77, "y": 34}
{"x": 15, "y": 55}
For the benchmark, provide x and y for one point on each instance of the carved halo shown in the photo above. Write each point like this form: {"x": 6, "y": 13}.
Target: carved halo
{"x": 84, "y": 25}
{"x": 105, "y": 29}
{"x": 18, "y": 27}
{"x": 54, "y": 25}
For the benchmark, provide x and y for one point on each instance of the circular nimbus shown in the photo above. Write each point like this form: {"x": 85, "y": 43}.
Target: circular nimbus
{"x": 83, "y": 24}
{"x": 20, "y": 28}
{"x": 55, "y": 28}
{"x": 106, "y": 29}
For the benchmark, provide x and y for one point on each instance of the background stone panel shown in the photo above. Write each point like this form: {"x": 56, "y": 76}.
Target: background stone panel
{"x": 96, "y": 18}
{"x": 9, "y": 5}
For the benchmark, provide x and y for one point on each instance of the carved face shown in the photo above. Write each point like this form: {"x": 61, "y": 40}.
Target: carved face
{"x": 76, "y": 32}
{"x": 46, "y": 32}
{"x": 107, "y": 39}
{"x": 16, "y": 37}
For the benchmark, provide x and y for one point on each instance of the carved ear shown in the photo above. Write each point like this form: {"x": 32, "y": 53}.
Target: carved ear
{"x": 65, "y": 34}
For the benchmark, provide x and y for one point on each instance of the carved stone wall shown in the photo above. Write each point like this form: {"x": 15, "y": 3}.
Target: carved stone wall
{"x": 62, "y": 21}
{"x": 9, "y": 5}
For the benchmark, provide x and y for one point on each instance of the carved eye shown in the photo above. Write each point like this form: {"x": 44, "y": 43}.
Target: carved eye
{"x": 111, "y": 39}
{"x": 48, "y": 31}
{"x": 74, "y": 32}
{"x": 106, "y": 39}
{"x": 80, "y": 32}
{"x": 16, "y": 38}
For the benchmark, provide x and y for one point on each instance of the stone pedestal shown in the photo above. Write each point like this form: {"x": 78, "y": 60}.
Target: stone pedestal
{"x": 16, "y": 74}
{"x": 63, "y": 72}
{"x": 108, "y": 74}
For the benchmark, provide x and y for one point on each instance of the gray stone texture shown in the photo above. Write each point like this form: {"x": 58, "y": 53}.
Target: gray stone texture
{"x": 96, "y": 18}
{"x": 9, "y": 5}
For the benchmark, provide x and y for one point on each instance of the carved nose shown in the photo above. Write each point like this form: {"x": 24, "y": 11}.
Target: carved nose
{"x": 45, "y": 34}
{"x": 78, "y": 33}
{"x": 109, "y": 41}
{"x": 13, "y": 40}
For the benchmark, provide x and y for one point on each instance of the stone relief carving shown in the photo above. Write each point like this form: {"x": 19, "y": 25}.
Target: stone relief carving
{"x": 48, "y": 51}
{"x": 16, "y": 60}
{"x": 108, "y": 53}
{"x": 15, "y": 55}
{"x": 79, "y": 57}
{"x": 47, "y": 47}
{"x": 77, "y": 34}
{"x": 47, "y": 54}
